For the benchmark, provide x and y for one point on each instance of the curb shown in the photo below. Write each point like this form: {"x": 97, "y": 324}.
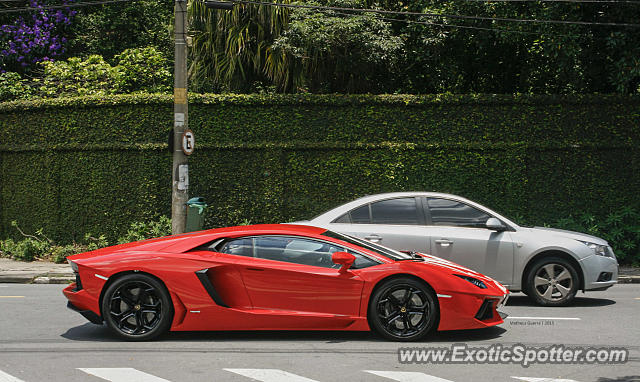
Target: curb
{"x": 53, "y": 280}
{"x": 38, "y": 279}
{"x": 628, "y": 279}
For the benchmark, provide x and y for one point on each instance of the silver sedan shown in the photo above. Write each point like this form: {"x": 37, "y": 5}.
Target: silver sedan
{"x": 549, "y": 265}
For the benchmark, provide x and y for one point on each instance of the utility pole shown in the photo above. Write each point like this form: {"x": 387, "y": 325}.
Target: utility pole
{"x": 180, "y": 168}
{"x": 182, "y": 136}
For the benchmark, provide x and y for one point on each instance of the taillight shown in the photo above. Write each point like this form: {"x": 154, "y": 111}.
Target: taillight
{"x": 74, "y": 267}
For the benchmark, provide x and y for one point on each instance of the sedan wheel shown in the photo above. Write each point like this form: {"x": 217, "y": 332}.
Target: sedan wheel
{"x": 137, "y": 307}
{"x": 552, "y": 282}
{"x": 403, "y": 310}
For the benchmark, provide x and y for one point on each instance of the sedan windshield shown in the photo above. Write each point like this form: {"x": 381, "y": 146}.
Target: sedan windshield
{"x": 384, "y": 251}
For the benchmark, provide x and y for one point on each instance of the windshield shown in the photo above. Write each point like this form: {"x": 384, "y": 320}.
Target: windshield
{"x": 384, "y": 251}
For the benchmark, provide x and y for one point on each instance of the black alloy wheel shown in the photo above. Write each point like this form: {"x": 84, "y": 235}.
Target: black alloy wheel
{"x": 137, "y": 307}
{"x": 403, "y": 309}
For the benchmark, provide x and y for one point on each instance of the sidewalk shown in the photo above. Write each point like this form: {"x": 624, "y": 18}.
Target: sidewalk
{"x": 38, "y": 272}
{"x": 43, "y": 272}
{"x": 629, "y": 275}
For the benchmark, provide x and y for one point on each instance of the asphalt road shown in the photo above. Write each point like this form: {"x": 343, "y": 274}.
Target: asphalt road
{"x": 41, "y": 340}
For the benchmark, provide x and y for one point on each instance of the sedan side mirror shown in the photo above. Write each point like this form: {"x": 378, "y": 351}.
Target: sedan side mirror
{"x": 345, "y": 259}
{"x": 495, "y": 225}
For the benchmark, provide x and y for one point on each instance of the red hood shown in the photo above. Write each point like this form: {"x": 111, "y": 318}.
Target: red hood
{"x": 449, "y": 267}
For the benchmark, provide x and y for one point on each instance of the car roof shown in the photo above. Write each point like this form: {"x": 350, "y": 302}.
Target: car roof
{"x": 334, "y": 213}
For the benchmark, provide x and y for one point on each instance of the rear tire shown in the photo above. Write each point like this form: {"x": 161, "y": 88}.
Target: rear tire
{"x": 403, "y": 309}
{"x": 137, "y": 307}
{"x": 552, "y": 281}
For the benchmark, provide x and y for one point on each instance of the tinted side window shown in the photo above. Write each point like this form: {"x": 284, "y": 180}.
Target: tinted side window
{"x": 346, "y": 219}
{"x": 304, "y": 251}
{"x": 453, "y": 213}
{"x": 361, "y": 261}
{"x": 360, "y": 215}
{"x": 395, "y": 211}
{"x": 240, "y": 247}
{"x": 296, "y": 250}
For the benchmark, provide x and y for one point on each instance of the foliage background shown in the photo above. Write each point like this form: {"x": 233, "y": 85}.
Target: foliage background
{"x": 258, "y": 48}
{"x": 101, "y": 162}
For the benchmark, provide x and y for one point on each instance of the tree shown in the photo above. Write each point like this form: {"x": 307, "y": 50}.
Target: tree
{"x": 334, "y": 52}
{"x": 109, "y": 29}
{"x": 28, "y": 40}
{"x": 231, "y": 48}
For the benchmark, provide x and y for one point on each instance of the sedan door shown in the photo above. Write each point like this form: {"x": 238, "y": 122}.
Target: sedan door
{"x": 459, "y": 234}
{"x": 398, "y": 223}
{"x": 296, "y": 274}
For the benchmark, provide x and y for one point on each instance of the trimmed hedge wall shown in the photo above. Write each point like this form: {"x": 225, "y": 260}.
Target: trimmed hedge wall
{"x": 95, "y": 164}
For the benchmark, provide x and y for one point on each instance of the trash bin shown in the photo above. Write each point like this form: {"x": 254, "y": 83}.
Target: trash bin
{"x": 195, "y": 214}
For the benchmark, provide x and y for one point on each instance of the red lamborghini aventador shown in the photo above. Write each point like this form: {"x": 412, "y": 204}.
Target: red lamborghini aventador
{"x": 277, "y": 277}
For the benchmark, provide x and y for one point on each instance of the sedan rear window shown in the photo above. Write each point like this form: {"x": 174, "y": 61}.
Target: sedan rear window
{"x": 399, "y": 211}
{"x": 360, "y": 215}
{"x": 395, "y": 211}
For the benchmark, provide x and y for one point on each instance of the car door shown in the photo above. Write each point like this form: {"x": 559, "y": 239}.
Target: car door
{"x": 398, "y": 223}
{"x": 296, "y": 274}
{"x": 458, "y": 233}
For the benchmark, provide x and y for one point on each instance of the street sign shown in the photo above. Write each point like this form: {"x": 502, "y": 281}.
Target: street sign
{"x": 188, "y": 142}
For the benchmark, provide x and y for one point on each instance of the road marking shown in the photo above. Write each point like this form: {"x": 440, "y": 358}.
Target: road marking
{"x": 531, "y": 379}
{"x": 11, "y": 296}
{"x": 270, "y": 375}
{"x": 544, "y": 318}
{"x": 4, "y": 377}
{"x": 122, "y": 374}
{"x": 407, "y": 376}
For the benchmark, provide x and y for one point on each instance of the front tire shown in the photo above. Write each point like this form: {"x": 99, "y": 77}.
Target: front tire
{"x": 403, "y": 309}
{"x": 552, "y": 281}
{"x": 137, "y": 307}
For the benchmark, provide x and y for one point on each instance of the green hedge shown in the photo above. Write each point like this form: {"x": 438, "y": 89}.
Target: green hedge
{"x": 96, "y": 164}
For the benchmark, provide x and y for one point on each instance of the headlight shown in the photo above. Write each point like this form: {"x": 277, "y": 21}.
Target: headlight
{"x": 73, "y": 265}
{"x": 598, "y": 249}
{"x": 473, "y": 281}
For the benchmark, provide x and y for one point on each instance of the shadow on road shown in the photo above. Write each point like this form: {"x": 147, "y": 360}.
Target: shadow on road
{"x": 96, "y": 333}
{"x": 90, "y": 332}
{"x": 522, "y": 300}
{"x": 467, "y": 335}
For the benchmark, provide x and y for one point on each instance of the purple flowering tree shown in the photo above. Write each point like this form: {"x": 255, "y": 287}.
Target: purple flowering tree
{"x": 30, "y": 40}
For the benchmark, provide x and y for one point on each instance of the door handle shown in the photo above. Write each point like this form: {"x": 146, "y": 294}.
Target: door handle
{"x": 373, "y": 238}
{"x": 254, "y": 269}
{"x": 444, "y": 242}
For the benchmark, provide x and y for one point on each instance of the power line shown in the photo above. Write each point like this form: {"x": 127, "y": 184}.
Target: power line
{"x": 422, "y": 14}
{"x": 73, "y": 5}
{"x": 460, "y": 26}
{"x": 472, "y": 27}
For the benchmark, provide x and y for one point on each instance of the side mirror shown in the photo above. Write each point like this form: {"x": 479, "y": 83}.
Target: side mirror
{"x": 343, "y": 258}
{"x": 495, "y": 225}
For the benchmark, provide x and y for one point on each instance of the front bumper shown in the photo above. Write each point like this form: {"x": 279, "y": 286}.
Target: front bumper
{"x": 470, "y": 311}
{"x": 594, "y": 267}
